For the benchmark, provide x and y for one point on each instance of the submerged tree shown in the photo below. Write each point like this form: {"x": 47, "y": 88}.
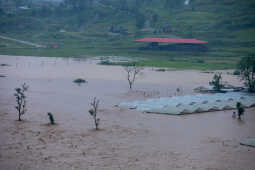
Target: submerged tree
{"x": 21, "y": 100}
{"x": 216, "y": 82}
{"x": 51, "y": 118}
{"x": 132, "y": 73}
{"x": 93, "y": 111}
{"x": 247, "y": 70}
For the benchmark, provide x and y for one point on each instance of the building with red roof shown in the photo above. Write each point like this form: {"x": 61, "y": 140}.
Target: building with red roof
{"x": 174, "y": 44}
{"x": 172, "y": 40}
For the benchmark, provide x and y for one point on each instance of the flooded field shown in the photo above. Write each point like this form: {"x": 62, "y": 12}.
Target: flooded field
{"x": 128, "y": 139}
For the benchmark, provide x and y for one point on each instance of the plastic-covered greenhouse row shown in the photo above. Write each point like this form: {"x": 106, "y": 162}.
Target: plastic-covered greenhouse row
{"x": 193, "y": 103}
{"x": 248, "y": 142}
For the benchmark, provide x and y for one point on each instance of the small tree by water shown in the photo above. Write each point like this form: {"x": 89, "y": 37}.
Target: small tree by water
{"x": 51, "y": 118}
{"x": 247, "y": 70}
{"x": 132, "y": 73}
{"x": 216, "y": 82}
{"x": 93, "y": 111}
{"x": 21, "y": 100}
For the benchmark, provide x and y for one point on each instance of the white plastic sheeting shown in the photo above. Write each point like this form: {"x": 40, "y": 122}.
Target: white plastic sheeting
{"x": 193, "y": 103}
{"x": 248, "y": 142}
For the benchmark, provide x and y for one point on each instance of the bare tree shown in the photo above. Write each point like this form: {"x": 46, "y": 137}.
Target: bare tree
{"x": 132, "y": 73}
{"x": 93, "y": 111}
{"x": 21, "y": 100}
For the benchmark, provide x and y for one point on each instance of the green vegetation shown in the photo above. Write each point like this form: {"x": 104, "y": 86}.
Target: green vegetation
{"x": 113, "y": 63}
{"x": 247, "y": 70}
{"x": 240, "y": 109}
{"x": 79, "y": 81}
{"x": 178, "y": 64}
{"x": 161, "y": 70}
{"x": 109, "y": 28}
{"x": 216, "y": 82}
{"x": 237, "y": 73}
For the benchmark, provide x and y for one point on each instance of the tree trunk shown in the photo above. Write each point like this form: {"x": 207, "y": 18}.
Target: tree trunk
{"x": 19, "y": 117}
{"x": 130, "y": 85}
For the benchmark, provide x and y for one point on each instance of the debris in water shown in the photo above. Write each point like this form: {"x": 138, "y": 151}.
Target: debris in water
{"x": 80, "y": 80}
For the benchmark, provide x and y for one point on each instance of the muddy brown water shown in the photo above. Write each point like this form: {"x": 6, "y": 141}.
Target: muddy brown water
{"x": 128, "y": 139}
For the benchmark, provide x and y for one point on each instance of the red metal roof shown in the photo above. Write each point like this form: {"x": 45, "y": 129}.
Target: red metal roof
{"x": 172, "y": 40}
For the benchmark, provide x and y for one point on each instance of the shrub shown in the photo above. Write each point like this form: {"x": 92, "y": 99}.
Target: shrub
{"x": 106, "y": 62}
{"x": 4, "y": 65}
{"x": 247, "y": 70}
{"x": 51, "y": 118}
{"x": 216, "y": 82}
{"x": 80, "y": 80}
{"x": 236, "y": 72}
{"x": 21, "y": 100}
{"x": 160, "y": 70}
{"x": 200, "y": 61}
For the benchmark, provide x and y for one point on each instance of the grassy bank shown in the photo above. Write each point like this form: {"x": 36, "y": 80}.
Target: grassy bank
{"x": 170, "y": 59}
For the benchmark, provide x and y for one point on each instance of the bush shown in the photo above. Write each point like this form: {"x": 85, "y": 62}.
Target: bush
{"x": 200, "y": 61}
{"x": 161, "y": 70}
{"x": 247, "y": 71}
{"x": 21, "y": 100}
{"x": 106, "y": 62}
{"x": 80, "y": 80}
{"x": 236, "y": 72}
{"x": 216, "y": 82}
{"x": 51, "y": 118}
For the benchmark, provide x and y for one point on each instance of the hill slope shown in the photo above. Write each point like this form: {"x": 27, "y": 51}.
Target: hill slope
{"x": 110, "y": 27}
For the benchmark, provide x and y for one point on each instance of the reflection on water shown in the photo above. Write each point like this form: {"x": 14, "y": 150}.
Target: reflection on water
{"x": 240, "y": 121}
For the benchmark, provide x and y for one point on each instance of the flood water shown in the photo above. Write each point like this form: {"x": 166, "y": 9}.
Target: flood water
{"x": 129, "y": 139}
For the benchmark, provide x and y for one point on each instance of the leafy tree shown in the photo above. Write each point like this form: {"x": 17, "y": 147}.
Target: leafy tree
{"x": 216, "y": 82}
{"x": 78, "y": 5}
{"x": 173, "y": 3}
{"x": 21, "y": 100}
{"x": 154, "y": 19}
{"x": 247, "y": 70}
{"x": 123, "y": 4}
{"x": 140, "y": 20}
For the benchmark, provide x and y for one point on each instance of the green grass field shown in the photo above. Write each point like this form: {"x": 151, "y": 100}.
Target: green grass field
{"x": 172, "y": 59}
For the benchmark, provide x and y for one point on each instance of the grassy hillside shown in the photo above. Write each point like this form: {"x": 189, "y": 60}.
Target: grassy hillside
{"x": 228, "y": 26}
